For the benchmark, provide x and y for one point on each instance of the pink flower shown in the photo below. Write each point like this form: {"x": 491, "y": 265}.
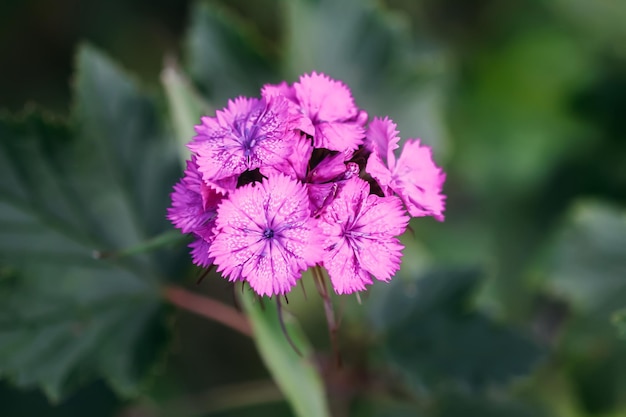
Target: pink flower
{"x": 338, "y": 123}
{"x": 265, "y": 235}
{"x": 248, "y": 134}
{"x": 361, "y": 236}
{"x": 414, "y": 176}
{"x": 325, "y": 180}
{"x": 297, "y": 163}
{"x": 283, "y": 89}
{"x": 194, "y": 205}
{"x": 200, "y": 252}
{"x": 193, "y": 210}
{"x": 382, "y": 138}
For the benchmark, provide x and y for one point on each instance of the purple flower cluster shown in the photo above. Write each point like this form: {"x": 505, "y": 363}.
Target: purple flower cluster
{"x": 299, "y": 178}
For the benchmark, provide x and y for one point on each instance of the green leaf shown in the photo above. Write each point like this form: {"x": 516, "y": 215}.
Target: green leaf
{"x": 513, "y": 113}
{"x": 619, "y": 319}
{"x": 185, "y": 106}
{"x": 587, "y": 265}
{"x": 433, "y": 335}
{"x": 296, "y": 376}
{"x": 456, "y": 403}
{"x": 224, "y": 56}
{"x": 66, "y": 191}
{"x": 601, "y": 22}
{"x": 373, "y": 408}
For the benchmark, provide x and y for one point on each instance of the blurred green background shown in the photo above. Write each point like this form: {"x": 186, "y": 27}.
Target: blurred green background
{"x": 511, "y": 307}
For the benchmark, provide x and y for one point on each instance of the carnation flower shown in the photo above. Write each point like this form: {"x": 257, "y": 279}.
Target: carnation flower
{"x": 325, "y": 180}
{"x": 297, "y": 163}
{"x": 330, "y": 106}
{"x": 250, "y": 133}
{"x": 361, "y": 232}
{"x": 200, "y": 251}
{"x": 265, "y": 235}
{"x": 276, "y": 185}
{"x": 414, "y": 176}
{"x": 287, "y": 91}
{"x": 331, "y": 116}
{"x": 194, "y": 207}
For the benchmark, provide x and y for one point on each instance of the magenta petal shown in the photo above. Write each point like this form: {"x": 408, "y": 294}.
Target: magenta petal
{"x": 321, "y": 195}
{"x": 382, "y": 139}
{"x": 324, "y": 99}
{"x": 265, "y": 234}
{"x": 248, "y": 134}
{"x": 338, "y": 135}
{"x": 200, "y": 252}
{"x": 282, "y": 89}
{"x": 329, "y": 168}
{"x": 302, "y": 122}
{"x": 330, "y": 107}
{"x": 361, "y": 236}
{"x": 190, "y": 211}
{"x": 414, "y": 176}
{"x": 223, "y": 186}
{"x": 379, "y": 171}
{"x": 418, "y": 181}
{"x": 297, "y": 163}
{"x": 345, "y": 270}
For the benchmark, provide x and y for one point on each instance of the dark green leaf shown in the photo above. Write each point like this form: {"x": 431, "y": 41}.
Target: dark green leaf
{"x": 225, "y": 58}
{"x": 619, "y": 319}
{"x": 588, "y": 262}
{"x": 65, "y": 192}
{"x": 433, "y": 335}
{"x": 456, "y": 404}
{"x": 369, "y": 408}
{"x": 513, "y": 115}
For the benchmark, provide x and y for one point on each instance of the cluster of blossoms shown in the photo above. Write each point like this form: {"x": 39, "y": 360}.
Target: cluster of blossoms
{"x": 299, "y": 178}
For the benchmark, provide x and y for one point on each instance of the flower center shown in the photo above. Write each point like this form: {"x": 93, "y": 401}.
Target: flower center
{"x": 268, "y": 233}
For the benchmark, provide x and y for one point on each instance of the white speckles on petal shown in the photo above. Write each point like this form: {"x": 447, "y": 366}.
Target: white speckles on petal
{"x": 265, "y": 235}
{"x": 248, "y": 134}
{"x": 361, "y": 237}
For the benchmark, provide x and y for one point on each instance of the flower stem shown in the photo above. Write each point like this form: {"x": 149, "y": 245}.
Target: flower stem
{"x": 333, "y": 328}
{"x": 281, "y": 321}
{"x": 207, "y": 308}
{"x": 169, "y": 238}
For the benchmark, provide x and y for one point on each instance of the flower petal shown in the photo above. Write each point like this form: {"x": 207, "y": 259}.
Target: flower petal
{"x": 418, "y": 181}
{"x": 265, "y": 234}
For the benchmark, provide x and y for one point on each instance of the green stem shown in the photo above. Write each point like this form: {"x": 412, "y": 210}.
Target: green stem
{"x": 169, "y": 238}
{"x": 333, "y": 328}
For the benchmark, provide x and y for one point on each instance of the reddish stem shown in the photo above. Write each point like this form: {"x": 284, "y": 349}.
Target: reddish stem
{"x": 207, "y": 308}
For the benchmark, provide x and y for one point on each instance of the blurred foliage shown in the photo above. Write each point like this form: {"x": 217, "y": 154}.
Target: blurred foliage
{"x": 514, "y": 306}
{"x": 432, "y": 334}
{"x": 62, "y": 189}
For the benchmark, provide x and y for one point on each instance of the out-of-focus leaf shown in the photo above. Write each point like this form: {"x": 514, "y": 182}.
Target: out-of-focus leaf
{"x": 385, "y": 409}
{"x": 371, "y": 50}
{"x": 185, "y": 106}
{"x": 599, "y": 21}
{"x": 433, "y": 336}
{"x": 296, "y": 376}
{"x": 456, "y": 404}
{"x": 65, "y": 316}
{"x": 588, "y": 262}
{"x": 619, "y": 319}
{"x": 514, "y": 115}
{"x": 225, "y": 58}
{"x": 586, "y": 267}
